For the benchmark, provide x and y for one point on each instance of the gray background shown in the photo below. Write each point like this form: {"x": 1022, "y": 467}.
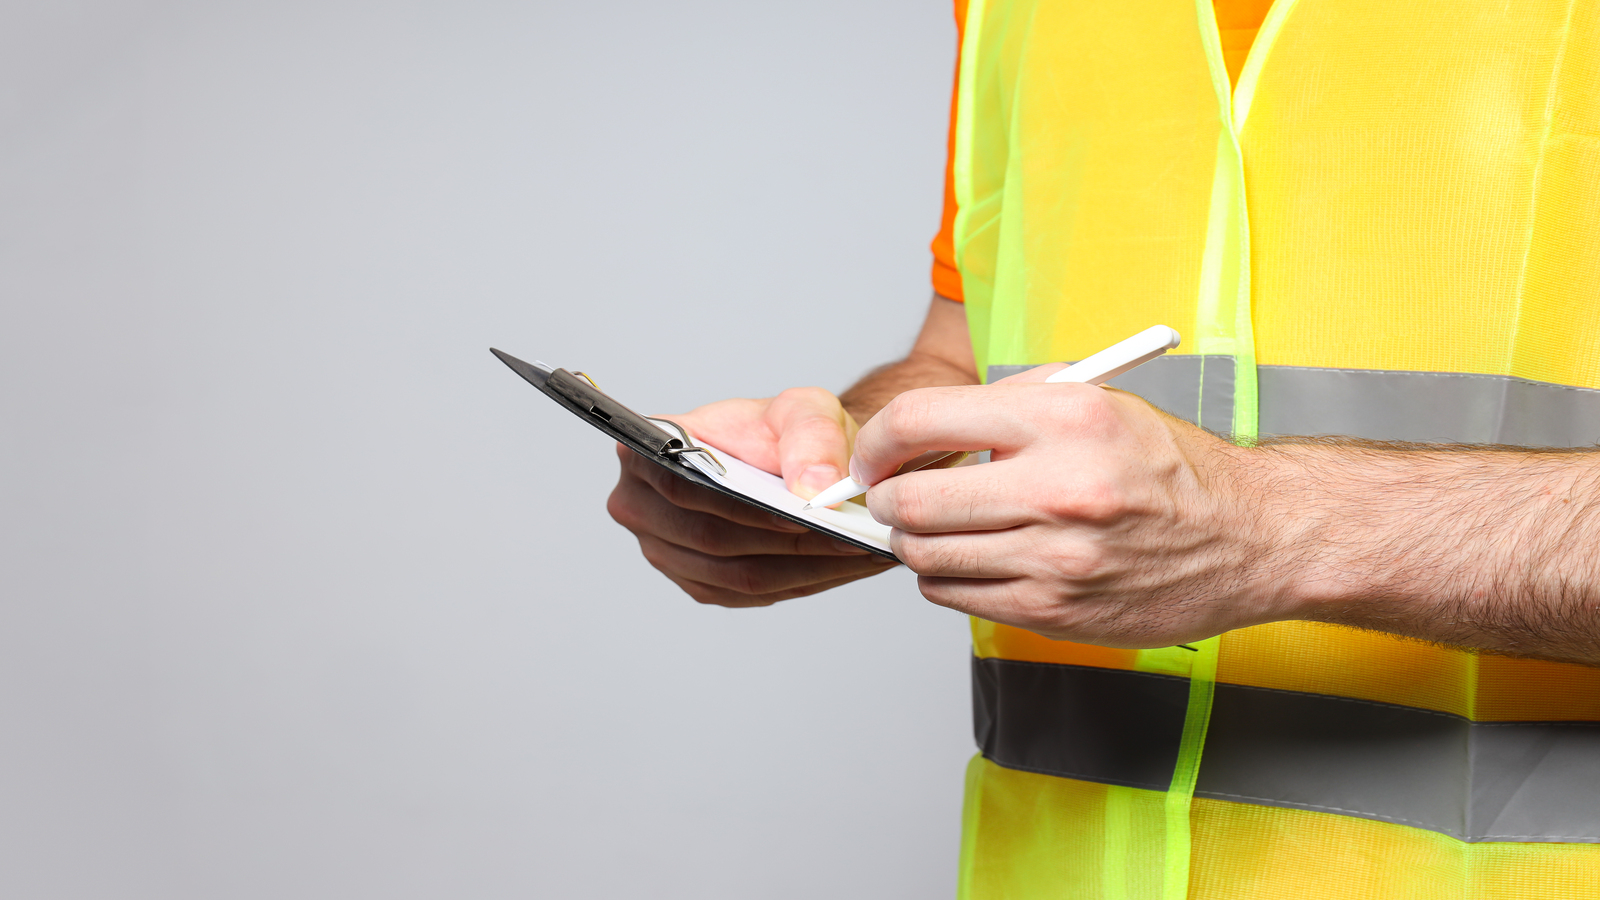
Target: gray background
{"x": 304, "y": 594}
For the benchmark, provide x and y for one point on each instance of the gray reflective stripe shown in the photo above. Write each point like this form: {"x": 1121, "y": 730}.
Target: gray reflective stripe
{"x": 1174, "y": 383}
{"x": 1427, "y": 406}
{"x": 1450, "y": 407}
{"x": 1476, "y": 781}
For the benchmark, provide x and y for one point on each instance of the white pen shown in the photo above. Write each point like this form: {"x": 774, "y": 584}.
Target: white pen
{"x": 1097, "y": 369}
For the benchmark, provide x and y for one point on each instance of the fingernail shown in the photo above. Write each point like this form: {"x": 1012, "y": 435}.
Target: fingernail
{"x": 854, "y": 473}
{"x": 815, "y": 479}
{"x": 844, "y": 547}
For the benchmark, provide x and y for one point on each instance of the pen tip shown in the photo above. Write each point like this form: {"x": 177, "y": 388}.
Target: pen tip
{"x": 807, "y": 506}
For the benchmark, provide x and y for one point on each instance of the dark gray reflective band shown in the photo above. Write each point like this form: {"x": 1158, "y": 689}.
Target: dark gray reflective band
{"x": 1475, "y": 781}
{"x": 1432, "y": 407}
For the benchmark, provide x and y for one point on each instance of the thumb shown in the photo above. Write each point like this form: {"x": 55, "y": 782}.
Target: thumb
{"x": 814, "y": 439}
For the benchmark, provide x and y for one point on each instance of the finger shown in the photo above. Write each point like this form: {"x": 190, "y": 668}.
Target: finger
{"x": 813, "y": 439}
{"x": 1021, "y": 603}
{"x": 1003, "y": 600}
{"x": 972, "y": 498}
{"x": 999, "y": 417}
{"x": 979, "y": 554}
{"x": 755, "y": 575}
{"x": 737, "y": 426}
{"x": 686, "y": 494}
{"x": 640, "y": 509}
{"x": 709, "y": 594}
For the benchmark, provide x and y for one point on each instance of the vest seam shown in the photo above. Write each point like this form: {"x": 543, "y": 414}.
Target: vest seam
{"x": 1538, "y": 177}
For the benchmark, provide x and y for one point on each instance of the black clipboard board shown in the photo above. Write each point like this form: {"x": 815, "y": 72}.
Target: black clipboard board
{"x": 574, "y": 392}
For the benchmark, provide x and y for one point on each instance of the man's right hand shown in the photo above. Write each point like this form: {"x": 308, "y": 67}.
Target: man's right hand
{"x": 728, "y": 553}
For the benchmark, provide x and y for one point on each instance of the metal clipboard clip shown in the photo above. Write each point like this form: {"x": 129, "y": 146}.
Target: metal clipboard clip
{"x": 578, "y": 391}
{"x": 688, "y": 445}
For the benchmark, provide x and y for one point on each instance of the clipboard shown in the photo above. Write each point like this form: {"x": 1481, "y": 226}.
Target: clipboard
{"x": 668, "y": 445}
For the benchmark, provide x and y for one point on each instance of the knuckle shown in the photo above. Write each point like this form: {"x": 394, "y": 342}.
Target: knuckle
{"x": 1099, "y": 502}
{"x": 1087, "y": 410}
{"x": 700, "y": 533}
{"x": 707, "y": 595}
{"x": 1080, "y": 563}
{"x": 807, "y": 397}
{"x": 814, "y": 424}
{"x": 620, "y": 510}
{"x": 911, "y": 411}
{"x": 937, "y": 591}
{"x": 908, "y": 506}
{"x": 742, "y": 577}
{"x": 922, "y": 558}
{"x": 673, "y": 490}
{"x": 1095, "y": 499}
{"x": 652, "y": 552}
{"x": 749, "y": 578}
{"x": 901, "y": 505}
{"x": 936, "y": 556}
{"x": 912, "y": 553}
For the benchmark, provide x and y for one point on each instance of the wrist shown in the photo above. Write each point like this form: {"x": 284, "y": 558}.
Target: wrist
{"x": 1331, "y": 557}
{"x": 1432, "y": 542}
{"x": 1281, "y": 537}
{"x": 1364, "y": 544}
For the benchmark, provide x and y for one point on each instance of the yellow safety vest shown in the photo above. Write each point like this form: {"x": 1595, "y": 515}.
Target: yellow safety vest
{"x": 1389, "y": 229}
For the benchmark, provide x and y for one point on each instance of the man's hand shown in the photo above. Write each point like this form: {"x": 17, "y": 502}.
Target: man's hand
{"x": 1105, "y": 521}
{"x": 1099, "y": 519}
{"x": 725, "y": 552}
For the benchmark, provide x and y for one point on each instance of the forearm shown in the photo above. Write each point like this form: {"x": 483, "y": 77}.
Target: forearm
{"x": 878, "y": 387}
{"x": 1491, "y": 549}
{"x": 942, "y": 355}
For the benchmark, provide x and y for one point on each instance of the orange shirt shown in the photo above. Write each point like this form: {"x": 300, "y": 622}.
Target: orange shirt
{"x": 946, "y": 280}
{"x": 1237, "y": 23}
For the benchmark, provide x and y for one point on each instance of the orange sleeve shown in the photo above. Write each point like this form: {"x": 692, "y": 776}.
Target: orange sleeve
{"x": 946, "y": 279}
